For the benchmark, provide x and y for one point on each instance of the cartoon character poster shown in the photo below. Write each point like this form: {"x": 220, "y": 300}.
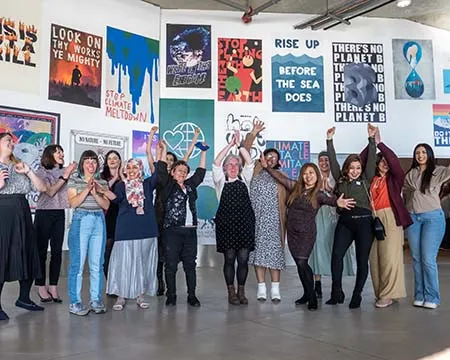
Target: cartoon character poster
{"x": 188, "y": 57}
{"x": 239, "y": 70}
{"x": 139, "y": 146}
{"x": 413, "y": 69}
{"x": 20, "y": 29}
{"x": 32, "y": 132}
{"x": 75, "y": 66}
{"x": 132, "y": 89}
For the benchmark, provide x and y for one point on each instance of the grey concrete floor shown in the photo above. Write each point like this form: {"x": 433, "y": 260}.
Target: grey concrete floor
{"x": 221, "y": 331}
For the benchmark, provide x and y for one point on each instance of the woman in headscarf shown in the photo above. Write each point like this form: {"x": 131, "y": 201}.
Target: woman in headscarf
{"x": 134, "y": 257}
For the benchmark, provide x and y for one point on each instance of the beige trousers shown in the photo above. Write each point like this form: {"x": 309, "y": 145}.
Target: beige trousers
{"x": 386, "y": 260}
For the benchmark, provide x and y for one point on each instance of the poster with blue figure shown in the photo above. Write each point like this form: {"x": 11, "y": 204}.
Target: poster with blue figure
{"x": 207, "y": 205}
{"x": 293, "y": 155}
{"x": 446, "y": 81}
{"x": 132, "y": 89}
{"x": 413, "y": 69}
{"x": 188, "y": 56}
{"x": 179, "y": 120}
{"x": 297, "y": 83}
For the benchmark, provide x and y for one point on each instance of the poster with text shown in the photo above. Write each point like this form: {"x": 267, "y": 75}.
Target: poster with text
{"x": 239, "y": 70}
{"x": 20, "y": 41}
{"x": 100, "y": 143}
{"x": 75, "y": 66}
{"x": 413, "y": 69}
{"x": 297, "y": 78}
{"x": 243, "y": 121}
{"x": 441, "y": 124}
{"x": 293, "y": 154}
{"x": 132, "y": 89}
{"x": 359, "y": 90}
{"x": 446, "y": 80}
{"x": 139, "y": 146}
{"x": 207, "y": 204}
{"x": 179, "y": 118}
{"x": 32, "y": 131}
{"x": 188, "y": 56}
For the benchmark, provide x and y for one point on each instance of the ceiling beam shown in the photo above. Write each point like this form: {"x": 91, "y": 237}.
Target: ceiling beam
{"x": 233, "y": 4}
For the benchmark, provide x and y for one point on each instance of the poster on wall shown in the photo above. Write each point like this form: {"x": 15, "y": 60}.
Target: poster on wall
{"x": 75, "y": 66}
{"x": 188, "y": 56}
{"x": 441, "y": 124}
{"x": 239, "y": 70}
{"x": 413, "y": 69}
{"x": 207, "y": 204}
{"x": 32, "y": 131}
{"x": 359, "y": 90}
{"x": 139, "y": 146}
{"x": 446, "y": 80}
{"x": 179, "y": 118}
{"x": 100, "y": 143}
{"x": 20, "y": 45}
{"x": 132, "y": 89}
{"x": 297, "y": 77}
{"x": 293, "y": 154}
{"x": 243, "y": 121}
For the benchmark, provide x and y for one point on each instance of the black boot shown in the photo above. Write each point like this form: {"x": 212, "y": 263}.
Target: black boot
{"x": 302, "y": 300}
{"x": 318, "y": 289}
{"x": 355, "y": 302}
{"x": 312, "y": 302}
{"x": 337, "y": 297}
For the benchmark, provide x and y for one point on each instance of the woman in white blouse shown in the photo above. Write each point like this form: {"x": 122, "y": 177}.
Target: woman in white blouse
{"x": 235, "y": 219}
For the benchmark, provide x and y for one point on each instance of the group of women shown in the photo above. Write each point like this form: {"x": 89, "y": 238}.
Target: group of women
{"x": 127, "y": 235}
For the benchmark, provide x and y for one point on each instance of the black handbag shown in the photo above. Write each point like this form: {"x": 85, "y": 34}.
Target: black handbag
{"x": 377, "y": 225}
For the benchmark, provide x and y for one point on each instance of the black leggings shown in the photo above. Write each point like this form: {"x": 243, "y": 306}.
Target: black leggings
{"x": 348, "y": 229}
{"x": 24, "y": 292}
{"x": 230, "y": 257}
{"x": 306, "y": 275}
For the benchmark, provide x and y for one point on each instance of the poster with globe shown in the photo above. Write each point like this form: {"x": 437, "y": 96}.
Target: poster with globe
{"x": 32, "y": 131}
{"x": 188, "y": 56}
{"x": 441, "y": 124}
{"x": 178, "y": 120}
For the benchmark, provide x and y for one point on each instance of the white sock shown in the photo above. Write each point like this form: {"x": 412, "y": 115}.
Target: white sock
{"x": 276, "y": 291}
{"x": 262, "y": 292}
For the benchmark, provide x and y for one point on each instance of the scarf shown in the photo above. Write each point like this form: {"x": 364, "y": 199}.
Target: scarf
{"x": 134, "y": 189}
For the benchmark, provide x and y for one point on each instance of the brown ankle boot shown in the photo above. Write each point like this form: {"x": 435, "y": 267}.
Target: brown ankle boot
{"x": 232, "y": 297}
{"x": 241, "y": 295}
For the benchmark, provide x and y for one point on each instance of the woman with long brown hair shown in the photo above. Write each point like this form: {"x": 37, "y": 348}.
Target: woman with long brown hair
{"x": 303, "y": 203}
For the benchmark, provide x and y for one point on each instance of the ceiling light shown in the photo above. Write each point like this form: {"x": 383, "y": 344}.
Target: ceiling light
{"x": 403, "y": 3}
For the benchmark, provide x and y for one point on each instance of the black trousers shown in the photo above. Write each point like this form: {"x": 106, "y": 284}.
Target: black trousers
{"x": 180, "y": 244}
{"x": 49, "y": 226}
{"x": 351, "y": 228}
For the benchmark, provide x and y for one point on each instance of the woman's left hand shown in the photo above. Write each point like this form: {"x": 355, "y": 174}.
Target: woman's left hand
{"x": 22, "y": 168}
{"x": 345, "y": 203}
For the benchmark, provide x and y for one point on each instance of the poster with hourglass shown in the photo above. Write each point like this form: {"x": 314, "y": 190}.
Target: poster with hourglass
{"x": 413, "y": 69}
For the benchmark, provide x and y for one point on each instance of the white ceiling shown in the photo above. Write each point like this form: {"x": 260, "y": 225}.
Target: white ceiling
{"x": 430, "y": 12}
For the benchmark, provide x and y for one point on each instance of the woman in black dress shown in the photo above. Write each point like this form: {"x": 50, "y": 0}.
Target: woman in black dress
{"x": 304, "y": 202}
{"x": 235, "y": 219}
{"x": 19, "y": 258}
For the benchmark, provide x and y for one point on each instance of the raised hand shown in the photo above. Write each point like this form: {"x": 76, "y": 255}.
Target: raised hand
{"x": 22, "y": 168}
{"x": 331, "y": 132}
{"x": 371, "y": 130}
{"x": 258, "y": 126}
{"x": 197, "y": 131}
{"x": 236, "y": 138}
{"x": 345, "y": 203}
{"x": 377, "y": 136}
{"x": 263, "y": 161}
{"x": 69, "y": 169}
{"x": 154, "y": 129}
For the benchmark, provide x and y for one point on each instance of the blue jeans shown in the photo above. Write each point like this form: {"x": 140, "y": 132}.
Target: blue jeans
{"x": 87, "y": 236}
{"x": 424, "y": 237}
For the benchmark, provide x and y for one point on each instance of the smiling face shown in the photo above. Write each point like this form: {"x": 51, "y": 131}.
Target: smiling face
{"x": 383, "y": 166}
{"x": 309, "y": 177}
{"x": 324, "y": 164}
{"x": 113, "y": 161}
{"x": 232, "y": 167}
{"x": 170, "y": 159}
{"x": 272, "y": 159}
{"x": 90, "y": 167}
{"x": 58, "y": 156}
{"x": 6, "y": 145}
{"x": 133, "y": 170}
{"x": 180, "y": 173}
{"x": 421, "y": 156}
{"x": 354, "y": 170}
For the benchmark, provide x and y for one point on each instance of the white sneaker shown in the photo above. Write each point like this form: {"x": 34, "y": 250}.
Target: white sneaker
{"x": 275, "y": 292}
{"x": 430, "y": 305}
{"x": 418, "y": 303}
{"x": 261, "y": 294}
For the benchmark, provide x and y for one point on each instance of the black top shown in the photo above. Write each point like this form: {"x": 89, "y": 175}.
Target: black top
{"x": 111, "y": 214}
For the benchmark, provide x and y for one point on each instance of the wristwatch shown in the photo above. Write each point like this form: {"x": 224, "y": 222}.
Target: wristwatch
{"x": 63, "y": 178}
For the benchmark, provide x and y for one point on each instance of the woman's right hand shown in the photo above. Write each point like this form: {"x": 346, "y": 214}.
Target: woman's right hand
{"x": 330, "y": 132}
{"x": 263, "y": 161}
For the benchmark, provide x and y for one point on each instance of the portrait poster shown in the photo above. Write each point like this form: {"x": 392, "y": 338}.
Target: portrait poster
{"x": 32, "y": 131}
{"x": 20, "y": 42}
{"x": 75, "y": 66}
{"x": 139, "y": 145}
{"x": 293, "y": 155}
{"x": 441, "y": 125}
{"x": 131, "y": 82}
{"x": 359, "y": 86}
{"x": 179, "y": 118}
{"x": 188, "y": 56}
{"x": 239, "y": 70}
{"x": 413, "y": 69}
